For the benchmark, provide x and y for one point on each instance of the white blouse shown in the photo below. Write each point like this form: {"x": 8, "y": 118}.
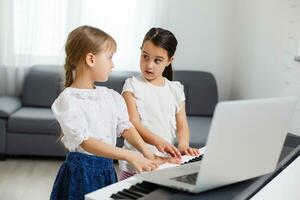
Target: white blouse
{"x": 157, "y": 105}
{"x": 100, "y": 113}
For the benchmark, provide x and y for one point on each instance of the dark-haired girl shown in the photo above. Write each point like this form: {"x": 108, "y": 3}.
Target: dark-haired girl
{"x": 155, "y": 103}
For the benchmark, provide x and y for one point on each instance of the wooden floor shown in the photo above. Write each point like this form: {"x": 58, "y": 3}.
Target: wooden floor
{"x": 28, "y": 178}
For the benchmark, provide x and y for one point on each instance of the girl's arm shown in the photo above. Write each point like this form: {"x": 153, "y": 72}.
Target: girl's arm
{"x": 146, "y": 134}
{"x": 100, "y": 148}
{"x": 134, "y": 138}
{"x": 183, "y": 133}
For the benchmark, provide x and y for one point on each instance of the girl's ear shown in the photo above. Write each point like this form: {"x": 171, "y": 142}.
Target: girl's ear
{"x": 170, "y": 60}
{"x": 90, "y": 59}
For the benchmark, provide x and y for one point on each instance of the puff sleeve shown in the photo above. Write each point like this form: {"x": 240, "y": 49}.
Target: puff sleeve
{"x": 123, "y": 122}
{"x": 133, "y": 85}
{"x": 178, "y": 91}
{"x": 72, "y": 121}
{"x": 128, "y": 86}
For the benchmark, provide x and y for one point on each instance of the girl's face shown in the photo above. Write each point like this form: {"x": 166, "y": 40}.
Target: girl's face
{"x": 102, "y": 66}
{"x": 153, "y": 61}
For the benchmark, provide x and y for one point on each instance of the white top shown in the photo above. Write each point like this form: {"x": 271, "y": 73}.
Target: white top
{"x": 157, "y": 107}
{"x": 100, "y": 113}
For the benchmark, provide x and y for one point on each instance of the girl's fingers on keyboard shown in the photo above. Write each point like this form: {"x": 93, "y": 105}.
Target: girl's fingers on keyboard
{"x": 196, "y": 151}
{"x": 191, "y": 152}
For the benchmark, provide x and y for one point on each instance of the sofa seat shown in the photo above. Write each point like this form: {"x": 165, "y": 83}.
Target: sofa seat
{"x": 199, "y": 128}
{"x": 33, "y": 120}
{"x": 11, "y": 104}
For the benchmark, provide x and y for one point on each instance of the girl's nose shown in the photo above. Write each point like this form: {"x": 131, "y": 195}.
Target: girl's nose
{"x": 150, "y": 65}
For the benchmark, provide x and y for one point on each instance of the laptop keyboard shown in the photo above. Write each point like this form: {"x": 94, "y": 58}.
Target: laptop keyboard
{"x": 189, "y": 178}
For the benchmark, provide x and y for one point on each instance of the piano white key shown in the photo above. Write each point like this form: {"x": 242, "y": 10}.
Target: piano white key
{"x": 106, "y": 192}
{"x": 184, "y": 159}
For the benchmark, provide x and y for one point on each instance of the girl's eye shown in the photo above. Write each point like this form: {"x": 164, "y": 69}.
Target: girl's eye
{"x": 157, "y": 61}
{"x": 145, "y": 57}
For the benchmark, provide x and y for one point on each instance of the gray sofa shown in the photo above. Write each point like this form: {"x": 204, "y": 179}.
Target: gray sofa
{"x": 28, "y": 126}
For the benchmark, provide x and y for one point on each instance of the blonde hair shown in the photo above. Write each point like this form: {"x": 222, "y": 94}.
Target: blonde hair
{"x": 80, "y": 42}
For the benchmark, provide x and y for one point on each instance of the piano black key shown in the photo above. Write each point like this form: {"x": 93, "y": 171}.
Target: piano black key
{"x": 122, "y": 195}
{"x": 194, "y": 159}
{"x": 144, "y": 187}
{"x": 149, "y": 185}
{"x": 118, "y": 196}
{"x": 137, "y": 194}
{"x": 128, "y": 195}
{"x": 198, "y": 158}
{"x": 139, "y": 189}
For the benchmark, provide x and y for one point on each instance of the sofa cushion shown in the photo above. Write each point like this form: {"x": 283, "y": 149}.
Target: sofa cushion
{"x": 199, "y": 128}
{"x": 41, "y": 86}
{"x": 8, "y": 105}
{"x": 200, "y": 91}
{"x": 2, "y": 136}
{"x": 34, "y": 121}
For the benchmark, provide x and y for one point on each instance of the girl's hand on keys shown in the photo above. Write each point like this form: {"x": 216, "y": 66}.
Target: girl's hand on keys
{"x": 141, "y": 163}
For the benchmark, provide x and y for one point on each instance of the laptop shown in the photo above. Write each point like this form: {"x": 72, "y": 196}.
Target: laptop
{"x": 245, "y": 141}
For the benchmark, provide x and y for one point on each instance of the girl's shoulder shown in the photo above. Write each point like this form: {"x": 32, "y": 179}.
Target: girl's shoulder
{"x": 135, "y": 80}
{"x": 113, "y": 93}
{"x": 134, "y": 84}
{"x": 75, "y": 93}
{"x": 71, "y": 94}
{"x": 64, "y": 96}
{"x": 177, "y": 90}
{"x": 64, "y": 102}
{"x": 109, "y": 94}
{"x": 175, "y": 86}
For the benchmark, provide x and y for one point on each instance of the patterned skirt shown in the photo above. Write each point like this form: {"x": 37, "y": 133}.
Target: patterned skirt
{"x": 125, "y": 175}
{"x": 80, "y": 174}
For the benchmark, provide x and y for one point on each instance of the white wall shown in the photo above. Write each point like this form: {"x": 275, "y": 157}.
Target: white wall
{"x": 267, "y": 44}
{"x": 243, "y": 43}
{"x": 205, "y": 35}
{"x": 259, "y": 60}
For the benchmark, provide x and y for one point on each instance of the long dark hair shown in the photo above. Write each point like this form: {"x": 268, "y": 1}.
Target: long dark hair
{"x": 165, "y": 39}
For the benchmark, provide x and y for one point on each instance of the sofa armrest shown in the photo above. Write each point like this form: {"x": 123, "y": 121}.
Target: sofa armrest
{"x": 8, "y": 105}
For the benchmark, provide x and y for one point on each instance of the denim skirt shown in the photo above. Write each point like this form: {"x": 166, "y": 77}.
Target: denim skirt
{"x": 80, "y": 174}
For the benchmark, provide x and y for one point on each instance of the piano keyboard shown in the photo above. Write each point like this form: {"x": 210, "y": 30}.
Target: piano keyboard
{"x": 132, "y": 188}
{"x": 140, "y": 190}
{"x": 136, "y": 191}
{"x": 194, "y": 159}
